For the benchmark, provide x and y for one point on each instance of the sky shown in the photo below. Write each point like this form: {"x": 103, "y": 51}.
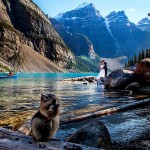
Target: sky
{"x": 134, "y": 9}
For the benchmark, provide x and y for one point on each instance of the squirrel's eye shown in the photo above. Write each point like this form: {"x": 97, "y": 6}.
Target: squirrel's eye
{"x": 46, "y": 97}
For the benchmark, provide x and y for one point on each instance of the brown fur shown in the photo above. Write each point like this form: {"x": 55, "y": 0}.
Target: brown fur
{"x": 45, "y": 122}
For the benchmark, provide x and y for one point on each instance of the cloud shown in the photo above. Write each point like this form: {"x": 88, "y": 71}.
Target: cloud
{"x": 132, "y": 10}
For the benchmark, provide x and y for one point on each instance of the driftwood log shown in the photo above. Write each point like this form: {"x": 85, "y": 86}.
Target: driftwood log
{"x": 108, "y": 111}
{"x": 10, "y": 140}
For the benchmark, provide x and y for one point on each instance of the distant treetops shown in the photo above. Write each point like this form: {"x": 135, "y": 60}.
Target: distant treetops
{"x": 137, "y": 58}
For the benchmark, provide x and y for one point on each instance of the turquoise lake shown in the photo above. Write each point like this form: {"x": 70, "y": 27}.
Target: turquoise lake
{"x": 25, "y": 91}
{"x": 23, "y": 95}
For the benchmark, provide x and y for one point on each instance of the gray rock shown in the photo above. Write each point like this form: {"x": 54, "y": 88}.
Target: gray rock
{"x": 94, "y": 134}
{"x": 134, "y": 86}
{"x": 119, "y": 79}
{"x": 142, "y": 72}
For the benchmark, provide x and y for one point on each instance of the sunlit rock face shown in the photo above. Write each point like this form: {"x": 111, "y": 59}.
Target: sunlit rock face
{"x": 22, "y": 22}
{"x": 142, "y": 72}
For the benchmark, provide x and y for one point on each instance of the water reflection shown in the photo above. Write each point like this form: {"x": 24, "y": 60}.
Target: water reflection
{"x": 76, "y": 98}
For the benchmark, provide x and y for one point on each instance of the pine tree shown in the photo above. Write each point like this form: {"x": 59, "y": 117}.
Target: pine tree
{"x": 131, "y": 62}
{"x": 147, "y": 53}
{"x": 125, "y": 66}
{"x": 139, "y": 57}
{"x": 135, "y": 60}
{"x": 142, "y": 54}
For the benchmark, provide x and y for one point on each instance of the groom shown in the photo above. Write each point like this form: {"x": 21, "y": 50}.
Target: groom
{"x": 105, "y": 67}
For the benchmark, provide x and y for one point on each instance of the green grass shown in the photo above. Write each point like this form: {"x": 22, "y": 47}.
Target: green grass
{"x": 3, "y": 67}
{"x": 85, "y": 64}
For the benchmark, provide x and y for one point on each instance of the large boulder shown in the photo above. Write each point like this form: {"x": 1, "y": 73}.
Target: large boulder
{"x": 119, "y": 79}
{"x": 94, "y": 134}
{"x": 142, "y": 72}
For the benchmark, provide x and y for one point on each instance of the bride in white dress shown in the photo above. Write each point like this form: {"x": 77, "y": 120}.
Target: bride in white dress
{"x": 102, "y": 70}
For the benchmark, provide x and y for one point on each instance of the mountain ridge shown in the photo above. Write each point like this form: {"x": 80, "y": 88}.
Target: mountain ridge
{"x": 144, "y": 24}
{"x": 112, "y": 36}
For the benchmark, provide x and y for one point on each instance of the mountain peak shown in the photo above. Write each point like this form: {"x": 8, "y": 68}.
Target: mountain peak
{"x": 117, "y": 16}
{"x": 82, "y": 11}
{"x": 85, "y": 4}
{"x": 145, "y": 20}
{"x": 144, "y": 24}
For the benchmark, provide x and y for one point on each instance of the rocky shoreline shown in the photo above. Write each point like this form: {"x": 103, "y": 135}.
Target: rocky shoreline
{"x": 136, "y": 80}
{"x": 141, "y": 143}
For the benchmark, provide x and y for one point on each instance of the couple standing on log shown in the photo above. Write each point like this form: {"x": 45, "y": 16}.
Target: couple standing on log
{"x": 103, "y": 70}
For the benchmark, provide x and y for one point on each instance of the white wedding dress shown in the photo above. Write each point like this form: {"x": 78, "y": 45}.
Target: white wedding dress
{"x": 102, "y": 72}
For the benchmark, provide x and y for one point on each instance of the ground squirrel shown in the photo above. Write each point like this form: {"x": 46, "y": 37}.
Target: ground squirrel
{"x": 45, "y": 122}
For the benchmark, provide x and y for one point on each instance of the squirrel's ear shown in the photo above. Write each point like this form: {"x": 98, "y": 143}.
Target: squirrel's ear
{"x": 42, "y": 96}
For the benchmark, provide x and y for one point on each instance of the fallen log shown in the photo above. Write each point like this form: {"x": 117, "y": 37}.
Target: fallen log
{"x": 108, "y": 111}
{"x": 10, "y": 140}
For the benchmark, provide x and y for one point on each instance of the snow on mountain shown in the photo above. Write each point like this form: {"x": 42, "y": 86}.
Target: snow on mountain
{"x": 144, "y": 24}
{"x": 59, "y": 16}
{"x": 111, "y": 36}
{"x": 81, "y": 12}
{"x": 89, "y": 5}
{"x": 82, "y": 5}
{"x": 108, "y": 28}
{"x": 144, "y": 21}
{"x": 117, "y": 17}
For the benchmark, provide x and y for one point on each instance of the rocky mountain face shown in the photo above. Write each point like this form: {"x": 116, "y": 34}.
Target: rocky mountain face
{"x": 23, "y": 23}
{"x": 88, "y": 21}
{"x": 112, "y": 36}
{"x": 144, "y": 24}
{"x": 73, "y": 40}
{"x": 127, "y": 36}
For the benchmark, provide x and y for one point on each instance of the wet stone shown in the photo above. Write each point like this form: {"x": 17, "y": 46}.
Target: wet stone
{"x": 1, "y": 135}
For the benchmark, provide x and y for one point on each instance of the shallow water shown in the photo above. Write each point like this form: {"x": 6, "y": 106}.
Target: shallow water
{"x": 19, "y": 98}
{"x": 123, "y": 127}
{"x": 24, "y": 93}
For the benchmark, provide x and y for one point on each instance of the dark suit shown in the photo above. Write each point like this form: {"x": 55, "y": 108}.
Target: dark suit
{"x": 105, "y": 67}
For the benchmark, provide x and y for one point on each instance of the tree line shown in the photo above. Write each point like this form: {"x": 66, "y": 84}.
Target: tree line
{"x": 137, "y": 58}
